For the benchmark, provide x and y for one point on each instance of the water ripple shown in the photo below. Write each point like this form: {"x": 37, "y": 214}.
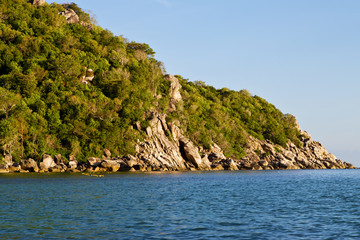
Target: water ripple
{"x": 211, "y": 205}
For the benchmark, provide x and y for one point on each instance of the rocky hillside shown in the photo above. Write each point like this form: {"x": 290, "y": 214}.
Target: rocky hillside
{"x": 74, "y": 97}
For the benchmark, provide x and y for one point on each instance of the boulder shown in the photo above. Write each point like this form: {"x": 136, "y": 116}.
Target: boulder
{"x": 88, "y": 77}
{"x": 47, "y": 162}
{"x": 267, "y": 147}
{"x": 8, "y": 159}
{"x": 229, "y": 164}
{"x": 107, "y": 153}
{"x": 94, "y": 162}
{"x": 217, "y": 167}
{"x": 4, "y": 168}
{"x": 190, "y": 152}
{"x": 256, "y": 166}
{"x": 175, "y": 96}
{"x": 216, "y": 149}
{"x": 70, "y": 15}
{"x": 36, "y": 2}
{"x": 59, "y": 159}
{"x": 349, "y": 165}
{"x": 73, "y": 164}
{"x": 15, "y": 167}
{"x": 263, "y": 163}
{"x": 289, "y": 155}
{"x": 29, "y": 165}
{"x": 110, "y": 165}
{"x": 57, "y": 169}
{"x": 206, "y": 164}
{"x": 245, "y": 166}
{"x": 216, "y": 157}
{"x": 283, "y": 163}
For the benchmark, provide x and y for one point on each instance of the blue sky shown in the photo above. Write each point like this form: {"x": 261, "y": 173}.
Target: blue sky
{"x": 301, "y": 55}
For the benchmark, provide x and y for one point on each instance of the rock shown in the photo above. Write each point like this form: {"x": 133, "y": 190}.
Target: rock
{"x": 206, "y": 164}
{"x": 59, "y": 159}
{"x": 263, "y": 163}
{"x": 349, "y": 165}
{"x": 283, "y": 163}
{"x": 216, "y": 149}
{"x": 245, "y": 166}
{"x": 175, "y": 96}
{"x": 88, "y": 77}
{"x": 110, "y": 165}
{"x": 217, "y": 167}
{"x": 190, "y": 151}
{"x": 15, "y": 167}
{"x": 87, "y": 25}
{"x": 289, "y": 155}
{"x": 8, "y": 159}
{"x": 107, "y": 153}
{"x": 73, "y": 164}
{"x": 267, "y": 147}
{"x": 216, "y": 157}
{"x": 47, "y": 162}
{"x": 303, "y": 161}
{"x": 56, "y": 169}
{"x": 70, "y": 15}
{"x": 36, "y": 2}
{"x": 94, "y": 162}
{"x": 4, "y": 168}
{"x": 229, "y": 164}
{"x": 29, "y": 165}
{"x": 256, "y": 166}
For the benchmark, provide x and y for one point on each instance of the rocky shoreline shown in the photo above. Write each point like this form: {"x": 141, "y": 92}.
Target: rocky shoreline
{"x": 166, "y": 148}
{"x": 159, "y": 153}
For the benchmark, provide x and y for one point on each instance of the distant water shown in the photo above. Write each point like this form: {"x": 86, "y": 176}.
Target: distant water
{"x": 294, "y": 204}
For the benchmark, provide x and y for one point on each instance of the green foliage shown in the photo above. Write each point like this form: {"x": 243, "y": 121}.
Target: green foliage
{"x": 44, "y": 107}
{"x": 228, "y": 118}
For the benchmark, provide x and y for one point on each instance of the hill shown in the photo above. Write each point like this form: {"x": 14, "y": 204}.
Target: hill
{"x": 71, "y": 89}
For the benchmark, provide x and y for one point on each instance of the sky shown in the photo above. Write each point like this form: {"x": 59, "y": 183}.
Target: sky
{"x": 303, "y": 56}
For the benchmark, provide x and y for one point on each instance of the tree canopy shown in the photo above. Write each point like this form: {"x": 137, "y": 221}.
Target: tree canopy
{"x": 44, "y": 107}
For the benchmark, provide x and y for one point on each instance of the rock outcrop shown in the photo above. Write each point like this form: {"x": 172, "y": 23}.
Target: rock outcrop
{"x": 29, "y": 165}
{"x": 166, "y": 148}
{"x": 308, "y": 155}
{"x": 70, "y": 15}
{"x": 88, "y": 77}
{"x": 175, "y": 96}
{"x": 36, "y": 2}
{"x": 47, "y": 163}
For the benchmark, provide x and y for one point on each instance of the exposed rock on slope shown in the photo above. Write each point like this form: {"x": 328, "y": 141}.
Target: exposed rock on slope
{"x": 175, "y": 96}
{"x": 37, "y": 2}
{"x": 70, "y": 15}
{"x": 45, "y": 109}
{"x": 166, "y": 148}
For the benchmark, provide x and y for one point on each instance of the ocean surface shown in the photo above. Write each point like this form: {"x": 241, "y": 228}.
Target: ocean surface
{"x": 292, "y": 204}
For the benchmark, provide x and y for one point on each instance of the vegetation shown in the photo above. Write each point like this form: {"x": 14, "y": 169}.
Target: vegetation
{"x": 44, "y": 107}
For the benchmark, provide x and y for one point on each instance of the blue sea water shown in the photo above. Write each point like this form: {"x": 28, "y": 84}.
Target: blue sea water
{"x": 293, "y": 204}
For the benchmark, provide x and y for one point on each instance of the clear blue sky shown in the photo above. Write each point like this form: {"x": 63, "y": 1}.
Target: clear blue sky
{"x": 301, "y": 55}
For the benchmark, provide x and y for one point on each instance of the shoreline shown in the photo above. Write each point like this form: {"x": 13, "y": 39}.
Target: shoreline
{"x": 89, "y": 170}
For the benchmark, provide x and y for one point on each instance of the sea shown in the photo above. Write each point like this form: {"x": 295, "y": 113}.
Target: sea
{"x": 284, "y": 204}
